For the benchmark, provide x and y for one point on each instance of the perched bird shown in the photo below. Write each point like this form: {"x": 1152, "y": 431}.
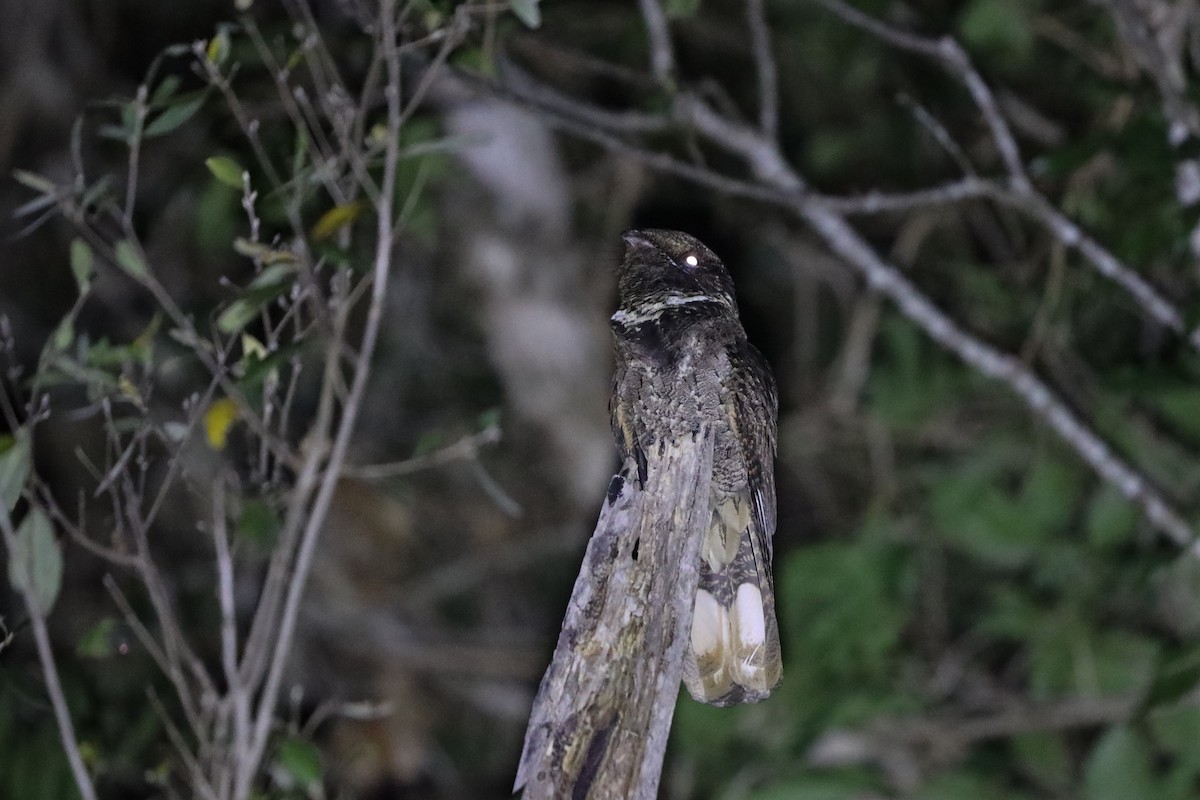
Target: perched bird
{"x": 682, "y": 361}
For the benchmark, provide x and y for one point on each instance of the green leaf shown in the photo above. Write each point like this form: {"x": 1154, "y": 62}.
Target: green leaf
{"x": 238, "y": 315}
{"x": 16, "y": 458}
{"x": 226, "y": 170}
{"x": 959, "y": 785}
{"x": 35, "y": 566}
{"x": 527, "y": 11}
{"x": 269, "y": 284}
{"x": 489, "y": 419}
{"x": 81, "y": 264}
{"x": 129, "y": 258}
{"x": 98, "y": 642}
{"x": 259, "y": 523}
{"x": 1111, "y": 519}
{"x": 1177, "y": 730}
{"x": 1043, "y": 756}
{"x": 1119, "y": 768}
{"x": 1181, "y": 406}
{"x": 165, "y": 91}
{"x": 174, "y": 116}
{"x": 64, "y": 334}
{"x": 842, "y": 601}
{"x": 218, "y": 47}
{"x": 276, "y": 275}
{"x": 681, "y": 9}
{"x": 998, "y": 25}
{"x": 301, "y": 760}
{"x": 818, "y": 787}
{"x": 1174, "y": 677}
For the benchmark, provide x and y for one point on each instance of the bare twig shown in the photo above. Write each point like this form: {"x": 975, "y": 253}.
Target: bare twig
{"x": 1155, "y": 36}
{"x": 940, "y": 135}
{"x": 764, "y": 66}
{"x": 385, "y": 241}
{"x": 58, "y": 700}
{"x": 135, "y": 149}
{"x": 764, "y": 159}
{"x": 899, "y": 746}
{"x": 236, "y": 694}
{"x": 778, "y": 183}
{"x": 950, "y": 54}
{"x": 465, "y": 448}
{"x": 662, "y": 55}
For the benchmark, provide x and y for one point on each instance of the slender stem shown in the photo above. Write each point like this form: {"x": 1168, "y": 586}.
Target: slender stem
{"x": 382, "y": 268}
{"x": 764, "y": 65}
{"x": 58, "y": 700}
{"x": 662, "y": 57}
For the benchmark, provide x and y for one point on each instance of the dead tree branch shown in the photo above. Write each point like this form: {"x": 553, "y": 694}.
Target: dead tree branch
{"x": 603, "y": 711}
{"x": 776, "y": 182}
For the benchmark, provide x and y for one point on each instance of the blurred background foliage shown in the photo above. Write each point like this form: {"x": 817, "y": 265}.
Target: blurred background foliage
{"x": 967, "y": 610}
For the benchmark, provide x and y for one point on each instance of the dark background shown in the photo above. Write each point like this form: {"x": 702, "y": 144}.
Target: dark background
{"x": 967, "y": 610}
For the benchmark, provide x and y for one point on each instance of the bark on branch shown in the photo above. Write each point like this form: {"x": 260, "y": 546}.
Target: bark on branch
{"x": 603, "y": 711}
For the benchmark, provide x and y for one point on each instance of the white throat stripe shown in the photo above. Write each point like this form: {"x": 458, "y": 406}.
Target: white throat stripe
{"x": 651, "y": 312}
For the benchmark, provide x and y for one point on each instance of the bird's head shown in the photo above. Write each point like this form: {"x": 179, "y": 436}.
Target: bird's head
{"x": 666, "y": 270}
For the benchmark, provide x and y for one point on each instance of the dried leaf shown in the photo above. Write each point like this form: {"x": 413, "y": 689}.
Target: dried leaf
{"x": 335, "y": 219}
{"x": 218, "y": 420}
{"x": 218, "y": 47}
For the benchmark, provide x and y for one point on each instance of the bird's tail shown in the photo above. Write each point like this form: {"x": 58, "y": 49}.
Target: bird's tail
{"x": 734, "y": 652}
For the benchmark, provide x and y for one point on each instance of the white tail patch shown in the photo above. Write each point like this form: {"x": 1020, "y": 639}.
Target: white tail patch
{"x": 710, "y": 627}
{"x": 750, "y": 636}
{"x": 707, "y": 674}
{"x": 751, "y": 624}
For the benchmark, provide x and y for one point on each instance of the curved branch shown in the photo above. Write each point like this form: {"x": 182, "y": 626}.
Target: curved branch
{"x": 779, "y": 184}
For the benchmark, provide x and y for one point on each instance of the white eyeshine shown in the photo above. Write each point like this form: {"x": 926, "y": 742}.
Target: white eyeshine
{"x": 692, "y": 261}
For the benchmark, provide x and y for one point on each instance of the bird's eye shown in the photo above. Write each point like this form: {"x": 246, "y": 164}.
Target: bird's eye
{"x": 691, "y": 260}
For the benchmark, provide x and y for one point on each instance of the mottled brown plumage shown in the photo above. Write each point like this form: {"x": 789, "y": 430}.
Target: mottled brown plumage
{"x": 682, "y": 359}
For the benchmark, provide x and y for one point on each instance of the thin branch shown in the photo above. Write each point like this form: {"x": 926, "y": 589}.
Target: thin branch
{"x": 1068, "y": 233}
{"x": 1154, "y": 39}
{"x": 135, "y": 149}
{"x": 939, "y": 133}
{"x": 464, "y": 449}
{"x": 764, "y": 66}
{"x": 58, "y": 700}
{"x": 779, "y": 184}
{"x": 896, "y": 37}
{"x": 878, "y": 202}
{"x": 950, "y": 54}
{"x": 317, "y": 514}
{"x": 662, "y": 56}
{"x": 235, "y": 688}
{"x": 200, "y": 784}
{"x": 764, "y": 159}
{"x": 899, "y": 745}
{"x": 604, "y": 128}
